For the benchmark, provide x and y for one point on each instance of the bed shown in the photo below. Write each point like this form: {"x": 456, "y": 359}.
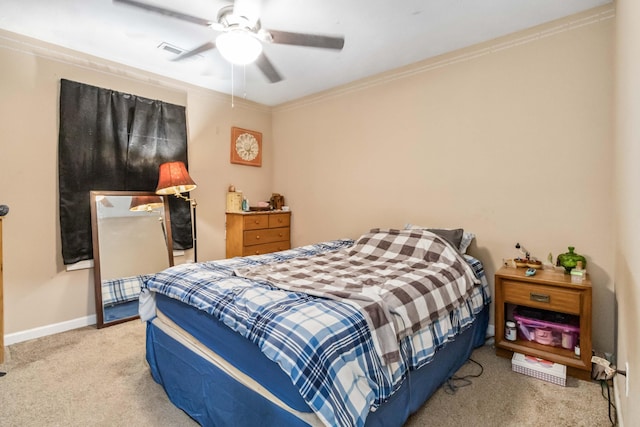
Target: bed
{"x": 339, "y": 333}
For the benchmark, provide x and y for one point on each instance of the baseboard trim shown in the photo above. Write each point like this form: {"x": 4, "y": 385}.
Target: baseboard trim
{"x": 617, "y": 388}
{"x": 491, "y": 330}
{"x": 44, "y": 331}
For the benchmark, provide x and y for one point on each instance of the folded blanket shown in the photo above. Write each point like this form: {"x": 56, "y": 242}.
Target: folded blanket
{"x": 401, "y": 280}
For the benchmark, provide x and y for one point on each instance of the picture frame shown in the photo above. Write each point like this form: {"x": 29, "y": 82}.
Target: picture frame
{"x": 246, "y": 147}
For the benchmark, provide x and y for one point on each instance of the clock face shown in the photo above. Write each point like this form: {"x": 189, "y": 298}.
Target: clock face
{"x": 247, "y": 147}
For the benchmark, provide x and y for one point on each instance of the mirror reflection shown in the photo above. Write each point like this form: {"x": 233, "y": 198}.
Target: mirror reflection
{"x": 131, "y": 240}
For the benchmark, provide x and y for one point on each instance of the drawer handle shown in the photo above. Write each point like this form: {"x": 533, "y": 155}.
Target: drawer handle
{"x": 539, "y": 297}
{"x": 280, "y": 234}
{"x": 257, "y": 237}
{"x": 279, "y": 219}
{"x": 257, "y": 221}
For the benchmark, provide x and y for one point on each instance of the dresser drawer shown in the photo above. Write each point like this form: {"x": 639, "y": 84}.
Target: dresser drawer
{"x": 279, "y": 220}
{"x": 546, "y": 297}
{"x": 265, "y": 248}
{"x": 267, "y": 235}
{"x": 253, "y": 222}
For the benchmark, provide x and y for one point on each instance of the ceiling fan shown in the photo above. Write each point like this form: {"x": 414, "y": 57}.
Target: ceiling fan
{"x": 241, "y": 37}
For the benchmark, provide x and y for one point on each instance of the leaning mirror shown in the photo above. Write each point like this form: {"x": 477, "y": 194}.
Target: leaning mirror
{"x": 131, "y": 240}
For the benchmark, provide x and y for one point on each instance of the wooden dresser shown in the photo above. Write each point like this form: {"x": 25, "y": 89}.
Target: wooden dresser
{"x": 255, "y": 233}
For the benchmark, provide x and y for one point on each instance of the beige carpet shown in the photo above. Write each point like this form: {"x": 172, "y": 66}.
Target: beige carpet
{"x": 100, "y": 378}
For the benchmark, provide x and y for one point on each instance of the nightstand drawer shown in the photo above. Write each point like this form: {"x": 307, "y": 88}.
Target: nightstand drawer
{"x": 546, "y": 297}
{"x": 267, "y": 235}
{"x": 266, "y": 248}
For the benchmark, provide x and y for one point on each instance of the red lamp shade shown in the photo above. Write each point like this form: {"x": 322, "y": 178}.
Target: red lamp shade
{"x": 145, "y": 203}
{"x": 174, "y": 179}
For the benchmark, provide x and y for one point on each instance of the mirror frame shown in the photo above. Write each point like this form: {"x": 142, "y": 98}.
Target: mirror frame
{"x": 97, "y": 274}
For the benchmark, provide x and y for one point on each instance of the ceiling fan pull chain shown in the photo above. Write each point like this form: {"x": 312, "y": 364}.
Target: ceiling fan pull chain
{"x": 244, "y": 82}
{"x": 231, "y": 85}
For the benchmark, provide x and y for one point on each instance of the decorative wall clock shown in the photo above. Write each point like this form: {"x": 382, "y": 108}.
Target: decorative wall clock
{"x": 246, "y": 147}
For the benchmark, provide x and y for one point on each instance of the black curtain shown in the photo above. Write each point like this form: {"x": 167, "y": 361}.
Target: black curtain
{"x": 114, "y": 141}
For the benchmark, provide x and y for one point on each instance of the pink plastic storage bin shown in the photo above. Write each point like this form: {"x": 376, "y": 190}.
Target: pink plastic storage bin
{"x": 547, "y": 333}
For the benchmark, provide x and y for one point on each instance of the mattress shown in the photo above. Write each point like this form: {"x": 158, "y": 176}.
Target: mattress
{"x": 246, "y": 389}
{"x": 213, "y": 369}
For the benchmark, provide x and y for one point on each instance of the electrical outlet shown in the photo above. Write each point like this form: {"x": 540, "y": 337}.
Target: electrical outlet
{"x": 626, "y": 378}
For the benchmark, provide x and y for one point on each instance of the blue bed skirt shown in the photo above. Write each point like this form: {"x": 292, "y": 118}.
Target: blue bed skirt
{"x": 213, "y": 398}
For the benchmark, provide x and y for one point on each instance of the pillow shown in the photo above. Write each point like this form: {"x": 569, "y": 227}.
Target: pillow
{"x": 452, "y": 236}
{"x": 461, "y": 243}
{"x": 467, "y": 238}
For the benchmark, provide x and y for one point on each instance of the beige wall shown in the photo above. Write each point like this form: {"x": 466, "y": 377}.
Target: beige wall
{"x": 511, "y": 140}
{"x": 38, "y": 291}
{"x": 627, "y": 186}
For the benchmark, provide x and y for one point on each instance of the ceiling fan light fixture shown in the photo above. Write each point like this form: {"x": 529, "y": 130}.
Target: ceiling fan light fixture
{"x": 238, "y": 47}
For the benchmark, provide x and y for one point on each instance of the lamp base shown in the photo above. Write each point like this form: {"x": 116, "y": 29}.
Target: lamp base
{"x": 195, "y": 238}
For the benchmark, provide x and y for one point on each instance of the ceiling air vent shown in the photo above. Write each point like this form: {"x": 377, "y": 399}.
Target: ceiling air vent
{"x": 170, "y": 48}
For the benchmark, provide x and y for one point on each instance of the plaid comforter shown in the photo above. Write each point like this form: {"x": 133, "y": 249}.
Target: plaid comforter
{"x": 325, "y": 346}
{"x": 412, "y": 274}
{"x": 117, "y": 291}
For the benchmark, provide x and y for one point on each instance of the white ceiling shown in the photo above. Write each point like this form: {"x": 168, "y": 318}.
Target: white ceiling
{"x": 380, "y": 35}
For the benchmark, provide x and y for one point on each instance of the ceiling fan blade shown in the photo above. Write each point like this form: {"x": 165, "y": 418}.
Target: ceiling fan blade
{"x": 166, "y": 12}
{"x": 202, "y": 48}
{"x": 310, "y": 40}
{"x": 268, "y": 69}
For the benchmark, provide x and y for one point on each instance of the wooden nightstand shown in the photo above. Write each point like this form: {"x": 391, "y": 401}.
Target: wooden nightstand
{"x": 256, "y": 233}
{"x": 547, "y": 290}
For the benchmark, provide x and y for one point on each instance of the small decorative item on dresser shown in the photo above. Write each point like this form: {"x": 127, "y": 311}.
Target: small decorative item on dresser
{"x": 570, "y": 260}
{"x": 578, "y": 273}
{"x": 261, "y": 206}
{"x": 277, "y": 201}
{"x": 520, "y": 262}
{"x": 234, "y": 200}
{"x": 534, "y": 263}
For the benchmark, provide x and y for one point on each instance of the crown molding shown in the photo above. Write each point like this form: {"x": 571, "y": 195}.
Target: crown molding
{"x": 40, "y": 49}
{"x": 563, "y": 25}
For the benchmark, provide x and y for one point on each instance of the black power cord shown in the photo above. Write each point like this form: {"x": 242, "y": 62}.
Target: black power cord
{"x": 612, "y": 418}
{"x": 454, "y": 383}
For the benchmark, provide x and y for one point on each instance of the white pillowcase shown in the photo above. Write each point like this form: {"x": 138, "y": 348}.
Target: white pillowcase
{"x": 467, "y": 237}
